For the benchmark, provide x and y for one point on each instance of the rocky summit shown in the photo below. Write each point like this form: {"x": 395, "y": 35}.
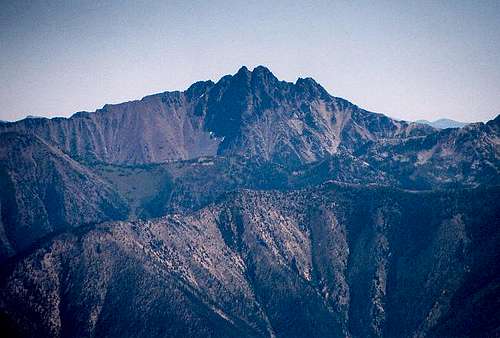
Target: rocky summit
{"x": 249, "y": 207}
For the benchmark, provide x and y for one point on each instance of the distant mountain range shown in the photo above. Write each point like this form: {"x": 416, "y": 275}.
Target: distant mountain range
{"x": 443, "y": 123}
{"x": 248, "y": 207}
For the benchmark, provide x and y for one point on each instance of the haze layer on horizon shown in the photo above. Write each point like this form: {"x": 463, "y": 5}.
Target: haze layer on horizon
{"x": 410, "y": 60}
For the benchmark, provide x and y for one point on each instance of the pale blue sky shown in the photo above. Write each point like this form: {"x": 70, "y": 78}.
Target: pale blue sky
{"x": 407, "y": 59}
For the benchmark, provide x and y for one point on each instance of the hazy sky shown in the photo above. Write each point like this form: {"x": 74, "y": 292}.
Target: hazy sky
{"x": 407, "y": 59}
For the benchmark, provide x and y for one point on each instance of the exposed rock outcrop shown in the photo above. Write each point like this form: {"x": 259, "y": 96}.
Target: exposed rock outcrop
{"x": 333, "y": 261}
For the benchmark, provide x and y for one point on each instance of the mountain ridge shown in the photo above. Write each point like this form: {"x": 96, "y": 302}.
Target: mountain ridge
{"x": 248, "y": 207}
{"x": 44, "y": 190}
{"x": 270, "y": 250}
{"x": 236, "y": 101}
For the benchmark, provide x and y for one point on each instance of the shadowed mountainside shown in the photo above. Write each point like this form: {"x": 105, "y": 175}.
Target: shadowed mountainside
{"x": 43, "y": 191}
{"x": 330, "y": 261}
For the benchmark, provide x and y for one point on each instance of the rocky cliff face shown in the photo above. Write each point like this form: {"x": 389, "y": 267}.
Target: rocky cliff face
{"x": 254, "y": 115}
{"x": 332, "y": 261}
{"x": 465, "y": 156}
{"x": 248, "y": 207}
{"x": 250, "y": 113}
{"x": 155, "y": 129}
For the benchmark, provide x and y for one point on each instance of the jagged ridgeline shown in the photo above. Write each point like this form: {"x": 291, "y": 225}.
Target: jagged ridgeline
{"x": 248, "y": 207}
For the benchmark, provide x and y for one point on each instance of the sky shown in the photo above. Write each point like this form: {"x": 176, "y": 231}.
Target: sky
{"x": 407, "y": 59}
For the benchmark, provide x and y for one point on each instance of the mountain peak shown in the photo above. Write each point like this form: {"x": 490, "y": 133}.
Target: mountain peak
{"x": 243, "y": 71}
{"x": 262, "y": 69}
{"x": 199, "y": 88}
{"x": 309, "y": 86}
{"x": 258, "y": 72}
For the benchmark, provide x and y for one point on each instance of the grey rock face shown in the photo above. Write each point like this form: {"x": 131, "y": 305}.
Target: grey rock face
{"x": 155, "y": 129}
{"x": 467, "y": 156}
{"x": 251, "y": 114}
{"x": 256, "y": 116}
